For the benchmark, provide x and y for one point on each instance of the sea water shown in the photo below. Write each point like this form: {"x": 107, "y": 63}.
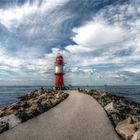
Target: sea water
{"x": 10, "y": 94}
{"x": 130, "y": 92}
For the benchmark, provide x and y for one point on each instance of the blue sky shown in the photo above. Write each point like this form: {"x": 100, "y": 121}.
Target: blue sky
{"x": 99, "y": 39}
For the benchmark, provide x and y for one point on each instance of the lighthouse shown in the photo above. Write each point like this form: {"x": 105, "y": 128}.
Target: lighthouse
{"x": 59, "y": 79}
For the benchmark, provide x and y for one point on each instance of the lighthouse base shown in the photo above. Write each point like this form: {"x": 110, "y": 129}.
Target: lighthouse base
{"x": 59, "y": 82}
{"x": 59, "y": 88}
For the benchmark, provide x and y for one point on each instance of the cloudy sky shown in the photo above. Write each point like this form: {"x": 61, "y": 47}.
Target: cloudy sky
{"x": 99, "y": 39}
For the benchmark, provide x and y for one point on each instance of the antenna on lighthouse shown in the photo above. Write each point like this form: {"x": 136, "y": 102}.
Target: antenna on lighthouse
{"x": 59, "y": 74}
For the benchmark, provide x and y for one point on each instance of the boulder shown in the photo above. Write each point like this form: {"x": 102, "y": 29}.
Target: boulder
{"x": 104, "y": 100}
{"x": 136, "y": 118}
{"x": 45, "y": 105}
{"x": 103, "y": 94}
{"x": 25, "y": 104}
{"x": 53, "y": 102}
{"x": 137, "y": 125}
{"x": 125, "y": 129}
{"x": 111, "y": 106}
{"x": 124, "y": 108}
{"x": 114, "y": 111}
{"x": 40, "y": 108}
{"x": 117, "y": 117}
{"x": 130, "y": 120}
{"x": 3, "y": 126}
{"x": 57, "y": 96}
{"x": 15, "y": 106}
{"x": 23, "y": 115}
{"x": 136, "y": 135}
{"x": 12, "y": 120}
{"x": 6, "y": 112}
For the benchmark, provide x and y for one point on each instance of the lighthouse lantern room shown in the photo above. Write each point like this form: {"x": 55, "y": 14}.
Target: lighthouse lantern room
{"x": 59, "y": 79}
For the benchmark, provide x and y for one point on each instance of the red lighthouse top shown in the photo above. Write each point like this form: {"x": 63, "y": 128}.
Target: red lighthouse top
{"x": 59, "y": 60}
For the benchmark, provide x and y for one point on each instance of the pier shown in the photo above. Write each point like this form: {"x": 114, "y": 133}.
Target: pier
{"x": 77, "y": 117}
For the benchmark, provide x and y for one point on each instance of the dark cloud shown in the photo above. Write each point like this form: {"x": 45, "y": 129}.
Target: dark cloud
{"x": 124, "y": 52}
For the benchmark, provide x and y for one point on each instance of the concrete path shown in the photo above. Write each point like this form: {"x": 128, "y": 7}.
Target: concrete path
{"x": 79, "y": 117}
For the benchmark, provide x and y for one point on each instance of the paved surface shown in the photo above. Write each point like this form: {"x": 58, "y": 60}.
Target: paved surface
{"x": 79, "y": 117}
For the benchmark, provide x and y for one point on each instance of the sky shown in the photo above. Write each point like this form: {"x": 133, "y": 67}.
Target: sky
{"x": 99, "y": 39}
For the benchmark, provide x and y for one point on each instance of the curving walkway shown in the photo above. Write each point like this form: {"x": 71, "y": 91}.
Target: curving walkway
{"x": 79, "y": 117}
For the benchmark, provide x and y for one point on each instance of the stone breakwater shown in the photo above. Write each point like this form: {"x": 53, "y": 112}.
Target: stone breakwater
{"x": 29, "y": 106}
{"x": 124, "y": 114}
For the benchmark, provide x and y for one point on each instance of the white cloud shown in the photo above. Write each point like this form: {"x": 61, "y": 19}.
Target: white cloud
{"x": 77, "y": 49}
{"x": 108, "y": 35}
{"x": 9, "y": 61}
{"x": 15, "y": 15}
{"x": 134, "y": 69}
{"x": 12, "y": 17}
{"x": 21, "y": 65}
{"x": 82, "y": 70}
{"x": 97, "y": 32}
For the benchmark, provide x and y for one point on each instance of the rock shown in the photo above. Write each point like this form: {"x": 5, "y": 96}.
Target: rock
{"x": 4, "y": 108}
{"x": 40, "y": 107}
{"x": 57, "y": 96}
{"x": 53, "y": 102}
{"x": 136, "y": 136}
{"x": 126, "y": 130}
{"x": 33, "y": 108}
{"x": 33, "y": 94}
{"x": 25, "y": 97}
{"x": 117, "y": 117}
{"x": 43, "y": 96}
{"x": 104, "y": 100}
{"x": 30, "y": 105}
{"x": 3, "y": 126}
{"x": 15, "y": 106}
{"x": 32, "y": 114}
{"x": 137, "y": 125}
{"x": 136, "y": 118}
{"x": 111, "y": 106}
{"x": 12, "y": 120}
{"x": 114, "y": 111}
{"x": 103, "y": 94}
{"x": 25, "y": 104}
{"x": 130, "y": 120}
{"x": 45, "y": 106}
{"x": 23, "y": 115}
{"x": 6, "y": 112}
{"x": 124, "y": 108}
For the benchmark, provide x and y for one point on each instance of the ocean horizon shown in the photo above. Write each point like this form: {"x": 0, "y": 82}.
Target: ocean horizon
{"x": 9, "y": 93}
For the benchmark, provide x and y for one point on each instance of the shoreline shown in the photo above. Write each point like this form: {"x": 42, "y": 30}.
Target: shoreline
{"x": 124, "y": 114}
{"x": 29, "y": 106}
